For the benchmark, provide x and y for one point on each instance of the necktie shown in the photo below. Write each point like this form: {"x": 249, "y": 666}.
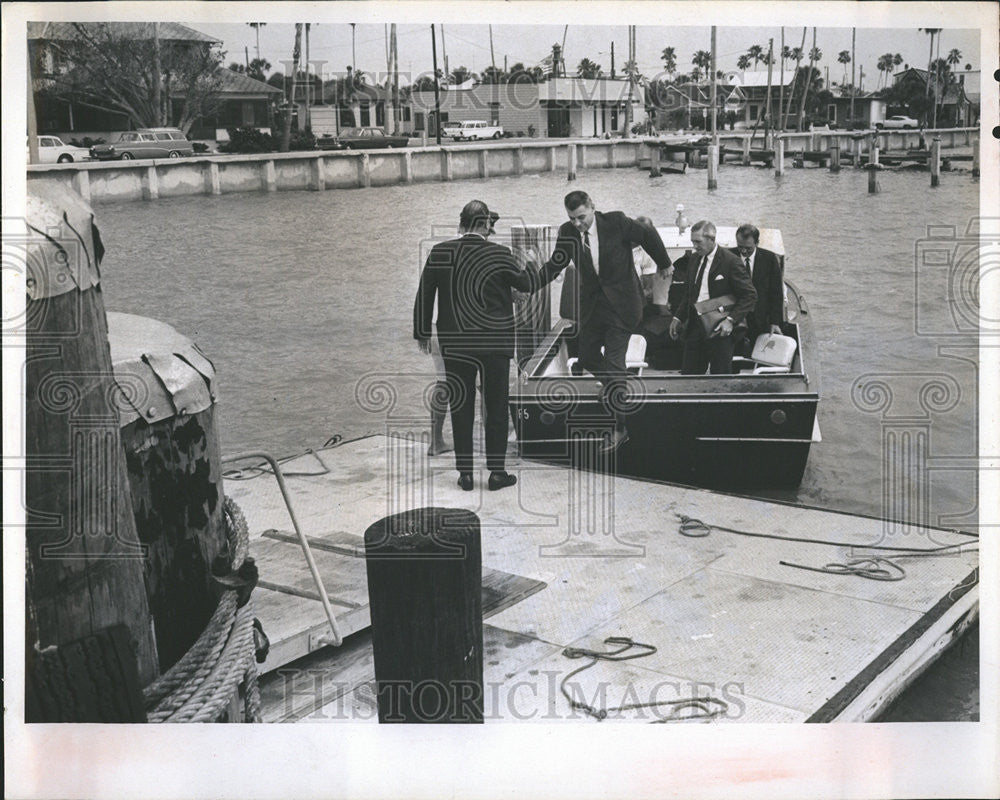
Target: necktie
{"x": 746, "y": 260}
{"x": 588, "y": 255}
{"x": 701, "y": 274}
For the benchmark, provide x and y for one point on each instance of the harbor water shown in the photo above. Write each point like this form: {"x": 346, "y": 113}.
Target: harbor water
{"x": 299, "y": 298}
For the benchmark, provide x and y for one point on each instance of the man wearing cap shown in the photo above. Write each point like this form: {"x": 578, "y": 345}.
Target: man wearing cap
{"x": 472, "y": 279}
{"x": 611, "y": 299}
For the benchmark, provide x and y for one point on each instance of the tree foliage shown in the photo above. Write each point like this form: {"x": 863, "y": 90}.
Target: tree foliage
{"x": 143, "y": 78}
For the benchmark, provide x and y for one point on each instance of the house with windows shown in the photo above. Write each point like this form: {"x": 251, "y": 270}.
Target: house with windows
{"x": 346, "y": 104}
{"x": 955, "y": 107}
{"x": 71, "y": 114}
{"x": 556, "y": 108}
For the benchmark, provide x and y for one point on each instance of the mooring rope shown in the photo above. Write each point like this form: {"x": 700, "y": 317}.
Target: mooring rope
{"x": 707, "y": 707}
{"x": 200, "y": 686}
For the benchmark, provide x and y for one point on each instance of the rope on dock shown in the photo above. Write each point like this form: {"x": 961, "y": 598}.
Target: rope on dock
{"x": 200, "y": 686}
{"x": 707, "y": 708}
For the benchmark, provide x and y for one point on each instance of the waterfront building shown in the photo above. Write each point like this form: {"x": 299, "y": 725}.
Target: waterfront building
{"x": 558, "y": 107}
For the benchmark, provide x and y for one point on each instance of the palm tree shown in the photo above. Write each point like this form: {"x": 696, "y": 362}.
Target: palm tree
{"x": 669, "y": 57}
{"x": 897, "y": 60}
{"x": 588, "y": 69}
{"x": 930, "y": 55}
{"x": 702, "y": 59}
{"x": 756, "y": 52}
{"x": 257, "y": 26}
{"x": 696, "y": 75}
{"x": 844, "y": 57}
{"x": 743, "y": 62}
{"x": 884, "y": 65}
{"x": 795, "y": 54}
{"x": 954, "y": 57}
{"x": 815, "y": 54}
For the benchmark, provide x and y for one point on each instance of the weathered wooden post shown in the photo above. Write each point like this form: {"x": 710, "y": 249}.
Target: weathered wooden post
{"x": 713, "y": 166}
{"x": 936, "y": 161}
{"x": 975, "y": 157}
{"x": 835, "y": 156}
{"x": 425, "y": 594}
{"x": 746, "y": 151}
{"x": 654, "y": 161}
{"x": 571, "y": 162}
{"x": 873, "y": 177}
{"x": 779, "y": 157}
{"x": 171, "y": 447}
{"x": 89, "y": 642}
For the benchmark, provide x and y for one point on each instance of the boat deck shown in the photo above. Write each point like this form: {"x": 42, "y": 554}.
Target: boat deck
{"x": 571, "y": 557}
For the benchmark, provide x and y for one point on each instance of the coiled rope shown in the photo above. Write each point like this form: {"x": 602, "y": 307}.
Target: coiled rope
{"x": 706, "y": 707}
{"x": 876, "y": 568}
{"x": 200, "y": 686}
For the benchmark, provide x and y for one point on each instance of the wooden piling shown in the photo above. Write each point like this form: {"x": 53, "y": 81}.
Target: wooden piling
{"x": 171, "y": 446}
{"x": 779, "y": 157}
{"x": 746, "y": 151}
{"x": 713, "y": 166}
{"x": 425, "y": 595}
{"x": 936, "y": 161}
{"x": 84, "y": 571}
{"x": 975, "y": 157}
{"x": 872, "y": 178}
{"x": 835, "y": 156}
{"x": 571, "y": 162}
{"x": 654, "y": 162}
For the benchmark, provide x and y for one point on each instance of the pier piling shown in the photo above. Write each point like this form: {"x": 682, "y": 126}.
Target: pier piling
{"x": 936, "y": 161}
{"x": 835, "y": 156}
{"x": 570, "y": 162}
{"x": 713, "y": 166}
{"x": 425, "y": 595}
{"x": 654, "y": 162}
{"x": 975, "y": 157}
{"x": 746, "y": 151}
{"x": 779, "y": 157}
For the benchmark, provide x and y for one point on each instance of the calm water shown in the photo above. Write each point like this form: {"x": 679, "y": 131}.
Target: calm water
{"x": 296, "y": 296}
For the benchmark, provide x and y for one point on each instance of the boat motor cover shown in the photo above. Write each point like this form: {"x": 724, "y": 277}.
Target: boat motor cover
{"x": 774, "y": 350}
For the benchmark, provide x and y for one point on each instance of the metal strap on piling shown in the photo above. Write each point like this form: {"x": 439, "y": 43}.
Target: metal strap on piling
{"x": 306, "y": 550}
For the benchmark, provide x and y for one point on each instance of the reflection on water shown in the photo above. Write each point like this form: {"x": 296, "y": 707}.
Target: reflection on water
{"x": 296, "y": 296}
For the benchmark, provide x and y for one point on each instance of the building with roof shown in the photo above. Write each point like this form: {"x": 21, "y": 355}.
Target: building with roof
{"x": 558, "y": 107}
{"x": 955, "y": 107}
{"x": 62, "y": 110}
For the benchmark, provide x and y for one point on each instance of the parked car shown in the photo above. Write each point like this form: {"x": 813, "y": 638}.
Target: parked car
{"x": 145, "y": 143}
{"x": 365, "y": 138}
{"x": 52, "y": 150}
{"x": 328, "y": 142}
{"x": 475, "y": 129}
{"x": 898, "y": 121}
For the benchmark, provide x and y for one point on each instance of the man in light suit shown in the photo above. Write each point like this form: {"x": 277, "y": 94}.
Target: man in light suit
{"x": 610, "y": 296}
{"x": 768, "y": 279}
{"x": 472, "y": 280}
{"x": 717, "y": 273}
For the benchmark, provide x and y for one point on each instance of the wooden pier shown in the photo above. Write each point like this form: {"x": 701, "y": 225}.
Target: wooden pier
{"x": 571, "y": 558}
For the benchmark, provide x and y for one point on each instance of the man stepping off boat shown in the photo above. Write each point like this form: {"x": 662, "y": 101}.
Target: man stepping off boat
{"x": 472, "y": 279}
{"x": 611, "y": 298}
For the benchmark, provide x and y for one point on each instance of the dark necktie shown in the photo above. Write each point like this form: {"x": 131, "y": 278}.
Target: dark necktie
{"x": 746, "y": 260}
{"x": 588, "y": 255}
{"x": 697, "y": 281}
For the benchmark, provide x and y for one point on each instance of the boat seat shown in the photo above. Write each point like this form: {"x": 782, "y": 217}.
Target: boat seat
{"x": 635, "y": 356}
{"x": 772, "y": 354}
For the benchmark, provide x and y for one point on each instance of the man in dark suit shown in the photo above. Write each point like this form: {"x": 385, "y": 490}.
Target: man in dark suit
{"x": 768, "y": 279}
{"x": 472, "y": 279}
{"x": 610, "y": 294}
{"x": 718, "y": 273}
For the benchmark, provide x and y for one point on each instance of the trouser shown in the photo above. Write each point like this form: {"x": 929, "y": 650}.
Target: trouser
{"x": 604, "y": 328}
{"x": 701, "y": 351}
{"x": 494, "y": 374}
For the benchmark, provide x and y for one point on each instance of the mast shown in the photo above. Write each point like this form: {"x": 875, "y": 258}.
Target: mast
{"x": 781, "y": 88}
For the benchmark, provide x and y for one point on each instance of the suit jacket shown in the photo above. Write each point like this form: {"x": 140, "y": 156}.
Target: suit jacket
{"x": 768, "y": 280}
{"x": 617, "y": 280}
{"x": 472, "y": 279}
{"x": 727, "y": 275}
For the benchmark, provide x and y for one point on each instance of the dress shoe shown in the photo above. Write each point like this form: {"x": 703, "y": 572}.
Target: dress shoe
{"x": 465, "y": 481}
{"x": 501, "y": 480}
{"x": 617, "y": 439}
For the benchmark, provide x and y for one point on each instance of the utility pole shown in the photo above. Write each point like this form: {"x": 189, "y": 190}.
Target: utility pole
{"x": 444, "y": 55}
{"x": 627, "y": 133}
{"x": 308, "y": 120}
{"x": 715, "y": 133}
{"x": 854, "y": 87}
{"x": 493, "y": 60}
{"x": 781, "y": 89}
{"x": 354, "y": 55}
{"x": 767, "y": 113}
{"x": 157, "y": 99}
{"x": 246, "y": 57}
{"x": 395, "y": 79}
{"x": 612, "y": 61}
{"x": 437, "y": 94}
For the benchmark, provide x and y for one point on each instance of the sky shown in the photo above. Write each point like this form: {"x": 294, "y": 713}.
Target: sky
{"x": 469, "y": 45}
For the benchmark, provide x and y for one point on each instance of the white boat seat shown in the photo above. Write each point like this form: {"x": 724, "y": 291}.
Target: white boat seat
{"x": 772, "y": 354}
{"x": 635, "y": 356}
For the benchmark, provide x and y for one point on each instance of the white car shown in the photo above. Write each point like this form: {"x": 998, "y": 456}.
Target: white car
{"x": 474, "y": 129}
{"x": 898, "y": 121}
{"x": 52, "y": 150}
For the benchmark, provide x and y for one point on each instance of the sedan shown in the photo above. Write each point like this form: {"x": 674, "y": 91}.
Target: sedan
{"x": 52, "y": 150}
{"x": 898, "y": 121}
{"x": 365, "y": 138}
